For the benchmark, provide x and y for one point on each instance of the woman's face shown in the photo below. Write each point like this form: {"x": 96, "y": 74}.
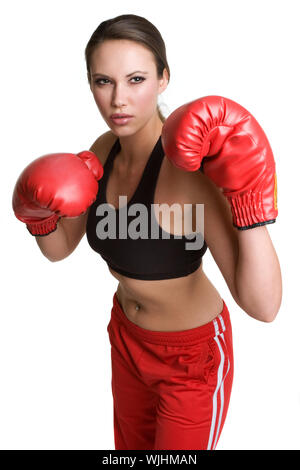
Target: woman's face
{"x": 124, "y": 80}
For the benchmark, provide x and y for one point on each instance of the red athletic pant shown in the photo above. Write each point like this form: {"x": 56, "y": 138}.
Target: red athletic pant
{"x": 171, "y": 390}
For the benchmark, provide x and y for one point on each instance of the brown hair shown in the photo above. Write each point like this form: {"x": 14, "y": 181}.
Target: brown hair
{"x": 133, "y": 28}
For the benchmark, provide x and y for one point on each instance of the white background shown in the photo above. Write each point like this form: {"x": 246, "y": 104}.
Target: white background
{"x": 54, "y": 349}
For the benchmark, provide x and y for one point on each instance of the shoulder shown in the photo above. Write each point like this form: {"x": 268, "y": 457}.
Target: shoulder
{"x": 219, "y": 233}
{"x": 101, "y": 148}
{"x": 195, "y": 187}
{"x": 218, "y": 227}
{"x": 102, "y": 145}
{"x": 192, "y": 186}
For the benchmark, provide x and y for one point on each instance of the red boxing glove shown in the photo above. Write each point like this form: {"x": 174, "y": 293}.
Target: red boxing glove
{"x": 53, "y": 186}
{"x": 234, "y": 152}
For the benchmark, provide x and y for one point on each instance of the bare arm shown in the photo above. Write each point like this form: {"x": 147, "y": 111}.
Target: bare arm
{"x": 62, "y": 242}
{"x": 258, "y": 276}
{"x": 246, "y": 258}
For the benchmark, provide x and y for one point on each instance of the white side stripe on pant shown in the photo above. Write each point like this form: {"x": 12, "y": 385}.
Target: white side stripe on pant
{"x": 219, "y": 386}
{"x": 222, "y": 400}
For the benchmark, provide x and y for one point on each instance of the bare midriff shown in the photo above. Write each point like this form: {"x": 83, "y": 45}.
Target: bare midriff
{"x": 174, "y": 304}
{"x": 170, "y": 304}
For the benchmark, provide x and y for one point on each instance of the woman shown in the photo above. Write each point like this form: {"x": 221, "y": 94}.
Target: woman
{"x": 170, "y": 331}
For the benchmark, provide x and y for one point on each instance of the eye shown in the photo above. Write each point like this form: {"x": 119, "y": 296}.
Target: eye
{"x": 140, "y": 81}
{"x": 97, "y": 82}
{"x": 100, "y": 80}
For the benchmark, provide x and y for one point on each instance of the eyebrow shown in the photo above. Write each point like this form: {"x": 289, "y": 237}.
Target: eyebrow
{"x": 107, "y": 76}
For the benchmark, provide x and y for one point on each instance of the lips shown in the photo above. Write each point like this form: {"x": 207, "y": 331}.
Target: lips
{"x": 120, "y": 119}
{"x": 116, "y": 116}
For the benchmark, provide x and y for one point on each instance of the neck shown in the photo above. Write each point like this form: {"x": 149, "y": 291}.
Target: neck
{"x": 136, "y": 148}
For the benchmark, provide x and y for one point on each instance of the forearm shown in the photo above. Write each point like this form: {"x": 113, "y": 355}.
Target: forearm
{"x": 54, "y": 246}
{"x": 258, "y": 277}
{"x": 63, "y": 241}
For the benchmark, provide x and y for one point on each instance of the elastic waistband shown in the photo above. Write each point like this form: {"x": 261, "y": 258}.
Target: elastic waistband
{"x": 174, "y": 338}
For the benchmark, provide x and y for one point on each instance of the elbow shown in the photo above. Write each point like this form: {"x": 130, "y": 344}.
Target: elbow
{"x": 266, "y": 314}
{"x": 263, "y": 306}
{"x": 269, "y": 317}
{"x": 272, "y": 314}
{"x": 55, "y": 260}
{"x": 271, "y": 311}
{"x": 52, "y": 257}
{"x": 261, "y": 311}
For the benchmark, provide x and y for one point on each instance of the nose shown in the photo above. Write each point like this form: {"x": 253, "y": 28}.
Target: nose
{"x": 118, "y": 97}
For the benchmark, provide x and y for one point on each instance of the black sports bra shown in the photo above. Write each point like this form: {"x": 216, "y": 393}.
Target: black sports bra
{"x": 150, "y": 253}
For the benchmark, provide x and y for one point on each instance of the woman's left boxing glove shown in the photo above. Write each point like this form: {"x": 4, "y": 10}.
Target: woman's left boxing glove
{"x": 234, "y": 152}
{"x": 53, "y": 186}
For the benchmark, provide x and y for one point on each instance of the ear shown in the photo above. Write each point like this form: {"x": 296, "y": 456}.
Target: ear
{"x": 164, "y": 81}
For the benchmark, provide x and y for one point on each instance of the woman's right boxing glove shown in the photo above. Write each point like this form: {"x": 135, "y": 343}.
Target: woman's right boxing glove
{"x": 53, "y": 186}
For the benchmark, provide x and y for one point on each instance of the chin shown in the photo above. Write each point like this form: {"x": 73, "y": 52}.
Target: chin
{"x": 122, "y": 132}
